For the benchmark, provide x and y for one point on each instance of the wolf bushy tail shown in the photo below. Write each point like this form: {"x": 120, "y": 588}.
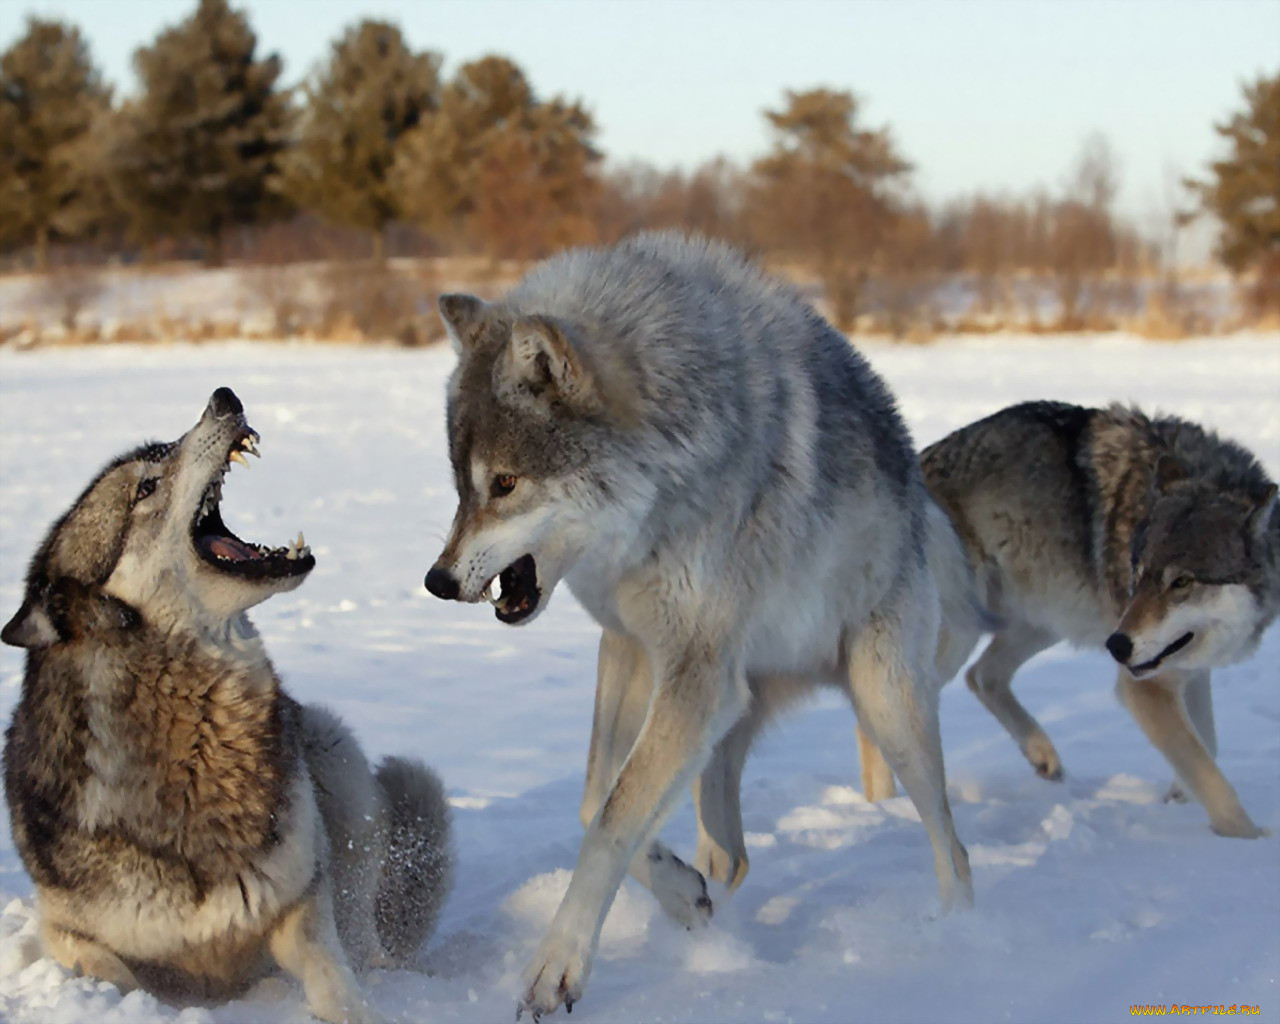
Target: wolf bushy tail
{"x": 419, "y": 862}
{"x": 964, "y": 615}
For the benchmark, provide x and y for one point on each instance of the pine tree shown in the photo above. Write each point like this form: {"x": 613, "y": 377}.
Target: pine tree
{"x": 437, "y": 163}
{"x": 360, "y": 104}
{"x": 51, "y": 99}
{"x": 494, "y": 162}
{"x": 1244, "y": 191}
{"x": 825, "y": 194}
{"x": 198, "y": 151}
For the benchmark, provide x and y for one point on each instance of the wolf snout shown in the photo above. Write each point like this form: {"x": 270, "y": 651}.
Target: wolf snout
{"x": 224, "y": 402}
{"x": 1121, "y": 647}
{"x": 442, "y": 584}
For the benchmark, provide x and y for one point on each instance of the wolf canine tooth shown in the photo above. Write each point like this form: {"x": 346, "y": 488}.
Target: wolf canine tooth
{"x": 235, "y": 455}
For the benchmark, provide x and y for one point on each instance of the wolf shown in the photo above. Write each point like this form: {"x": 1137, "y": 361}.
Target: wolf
{"x": 1107, "y": 527}
{"x": 181, "y": 816}
{"x": 726, "y": 486}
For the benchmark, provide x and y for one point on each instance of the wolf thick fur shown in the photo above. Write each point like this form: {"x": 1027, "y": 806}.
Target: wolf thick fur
{"x": 1106, "y": 526}
{"x": 180, "y": 814}
{"x": 726, "y": 486}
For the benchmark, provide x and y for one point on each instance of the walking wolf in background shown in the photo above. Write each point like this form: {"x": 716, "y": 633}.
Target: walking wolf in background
{"x": 1150, "y": 535}
{"x": 179, "y": 813}
{"x": 728, "y": 489}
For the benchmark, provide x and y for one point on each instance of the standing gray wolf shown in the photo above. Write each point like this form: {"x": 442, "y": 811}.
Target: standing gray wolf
{"x": 727, "y": 488}
{"x": 180, "y": 815}
{"x": 1151, "y": 536}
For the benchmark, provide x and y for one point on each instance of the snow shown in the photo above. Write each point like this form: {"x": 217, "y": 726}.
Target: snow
{"x": 1092, "y": 894}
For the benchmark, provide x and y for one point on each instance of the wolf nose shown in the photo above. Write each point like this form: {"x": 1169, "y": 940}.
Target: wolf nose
{"x": 1120, "y": 647}
{"x": 225, "y": 403}
{"x": 441, "y": 583}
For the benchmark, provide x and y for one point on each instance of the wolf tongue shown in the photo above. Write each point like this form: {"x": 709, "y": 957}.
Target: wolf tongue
{"x": 227, "y": 547}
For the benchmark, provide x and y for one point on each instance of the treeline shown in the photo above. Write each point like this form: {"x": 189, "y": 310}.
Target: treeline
{"x": 379, "y": 153}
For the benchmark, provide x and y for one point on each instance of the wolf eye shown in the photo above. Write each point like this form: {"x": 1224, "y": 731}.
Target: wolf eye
{"x": 146, "y": 488}
{"x": 503, "y": 484}
{"x": 1180, "y": 582}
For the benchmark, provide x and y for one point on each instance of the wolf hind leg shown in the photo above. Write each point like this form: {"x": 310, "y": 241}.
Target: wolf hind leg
{"x": 86, "y": 956}
{"x": 877, "y": 776}
{"x": 896, "y": 701}
{"x": 1158, "y": 707}
{"x": 624, "y": 689}
{"x": 1197, "y": 696}
{"x": 990, "y": 679}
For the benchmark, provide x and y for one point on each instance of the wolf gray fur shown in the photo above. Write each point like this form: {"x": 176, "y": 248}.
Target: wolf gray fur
{"x": 1148, "y": 535}
{"x": 180, "y": 815}
{"x": 728, "y": 489}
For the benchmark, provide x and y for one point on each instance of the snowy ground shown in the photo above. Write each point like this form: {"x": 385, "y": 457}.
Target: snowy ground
{"x": 1092, "y": 895}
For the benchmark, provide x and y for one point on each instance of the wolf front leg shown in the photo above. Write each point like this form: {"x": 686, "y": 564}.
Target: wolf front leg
{"x": 624, "y": 688}
{"x": 305, "y": 944}
{"x": 696, "y": 697}
{"x": 1157, "y": 705}
{"x": 722, "y": 849}
{"x": 1197, "y": 697}
{"x": 84, "y": 955}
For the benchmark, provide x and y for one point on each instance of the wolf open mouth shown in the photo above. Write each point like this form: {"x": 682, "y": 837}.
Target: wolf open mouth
{"x": 1173, "y": 648}
{"x": 520, "y": 593}
{"x": 223, "y": 550}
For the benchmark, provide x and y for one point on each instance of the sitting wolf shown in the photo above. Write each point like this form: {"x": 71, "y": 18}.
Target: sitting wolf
{"x": 726, "y": 486}
{"x": 180, "y": 814}
{"x": 1148, "y": 535}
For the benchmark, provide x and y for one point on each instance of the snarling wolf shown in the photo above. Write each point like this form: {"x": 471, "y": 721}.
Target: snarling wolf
{"x": 182, "y": 816}
{"x": 1150, "y": 536}
{"x": 728, "y": 489}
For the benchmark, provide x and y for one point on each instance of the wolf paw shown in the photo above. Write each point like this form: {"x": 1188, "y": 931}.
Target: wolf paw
{"x": 352, "y": 1013}
{"x": 1039, "y": 750}
{"x": 1240, "y": 829}
{"x": 719, "y": 865}
{"x": 681, "y": 890}
{"x": 557, "y": 976}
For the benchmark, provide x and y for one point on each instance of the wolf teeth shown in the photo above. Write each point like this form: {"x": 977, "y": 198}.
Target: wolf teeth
{"x": 249, "y": 443}
{"x": 488, "y": 594}
{"x": 235, "y": 455}
{"x": 297, "y": 548}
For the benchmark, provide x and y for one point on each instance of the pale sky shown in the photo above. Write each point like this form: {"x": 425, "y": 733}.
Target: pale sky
{"x": 991, "y": 94}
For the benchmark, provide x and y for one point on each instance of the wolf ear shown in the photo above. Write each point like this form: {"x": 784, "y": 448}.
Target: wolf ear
{"x": 31, "y": 627}
{"x": 1169, "y": 471}
{"x": 542, "y": 358}
{"x": 463, "y": 316}
{"x": 1264, "y": 507}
